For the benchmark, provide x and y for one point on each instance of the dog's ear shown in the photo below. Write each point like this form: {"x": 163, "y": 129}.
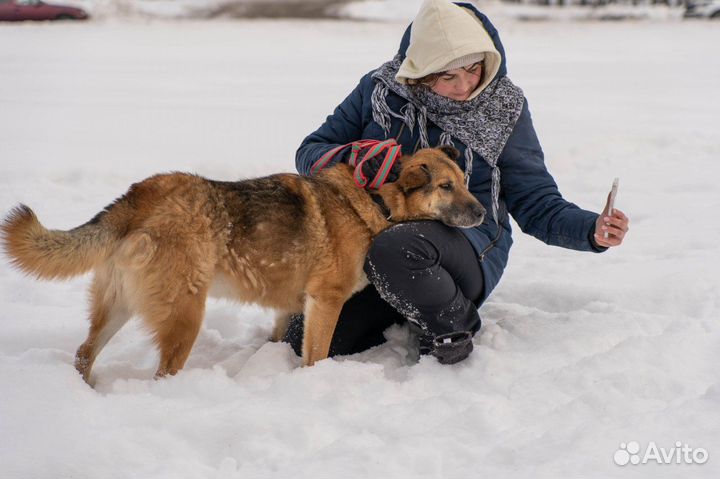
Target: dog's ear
{"x": 415, "y": 177}
{"x": 450, "y": 151}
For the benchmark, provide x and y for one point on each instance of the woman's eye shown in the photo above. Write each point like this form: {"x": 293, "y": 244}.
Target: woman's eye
{"x": 447, "y": 77}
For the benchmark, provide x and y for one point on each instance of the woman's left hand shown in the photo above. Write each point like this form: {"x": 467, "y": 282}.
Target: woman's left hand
{"x": 614, "y": 223}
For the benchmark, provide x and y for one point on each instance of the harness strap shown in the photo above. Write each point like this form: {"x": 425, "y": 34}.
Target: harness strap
{"x": 325, "y": 159}
{"x": 374, "y": 148}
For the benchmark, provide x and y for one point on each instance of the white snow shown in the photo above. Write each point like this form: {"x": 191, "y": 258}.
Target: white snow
{"x": 579, "y": 353}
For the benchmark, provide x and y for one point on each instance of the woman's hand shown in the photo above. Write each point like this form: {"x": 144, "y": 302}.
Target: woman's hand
{"x": 614, "y": 223}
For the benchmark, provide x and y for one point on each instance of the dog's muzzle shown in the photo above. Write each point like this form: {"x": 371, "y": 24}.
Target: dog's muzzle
{"x": 466, "y": 216}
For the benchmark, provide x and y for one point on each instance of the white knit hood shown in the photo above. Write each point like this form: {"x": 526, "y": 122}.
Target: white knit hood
{"x": 444, "y": 34}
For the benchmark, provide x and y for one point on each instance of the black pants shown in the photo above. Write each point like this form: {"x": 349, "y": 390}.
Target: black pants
{"x": 424, "y": 272}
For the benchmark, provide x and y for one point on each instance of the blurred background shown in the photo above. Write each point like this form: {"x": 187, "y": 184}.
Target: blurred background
{"x": 13, "y": 10}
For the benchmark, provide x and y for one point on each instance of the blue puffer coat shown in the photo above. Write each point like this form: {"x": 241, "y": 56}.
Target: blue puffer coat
{"x": 528, "y": 192}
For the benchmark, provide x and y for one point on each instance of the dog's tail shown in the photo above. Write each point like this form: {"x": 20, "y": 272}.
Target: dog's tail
{"x": 54, "y": 254}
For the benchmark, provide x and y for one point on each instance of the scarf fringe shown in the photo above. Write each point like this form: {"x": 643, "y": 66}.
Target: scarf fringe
{"x": 422, "y": 127}
{"x": 446, "y": 139}
{"x": 468, "y": 165}
{"x": 380, "y": 109}
{"x": 495, "y": 192}
{"x": 408, "y": 118}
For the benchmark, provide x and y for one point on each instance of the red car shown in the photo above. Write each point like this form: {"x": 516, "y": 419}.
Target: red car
{"x": 15, "y": 10}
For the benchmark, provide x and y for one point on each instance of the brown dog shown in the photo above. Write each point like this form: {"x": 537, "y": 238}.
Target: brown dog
{"x": 288, "y": 242}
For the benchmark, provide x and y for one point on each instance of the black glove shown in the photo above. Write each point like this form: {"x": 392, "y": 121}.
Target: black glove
{"x": 380, "y": 168}
{"x": 371, "y": 168}
{"x": 447, "y": 348}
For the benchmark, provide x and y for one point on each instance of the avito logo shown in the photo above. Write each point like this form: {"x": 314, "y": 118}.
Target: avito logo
{"x": 680, "y": 454}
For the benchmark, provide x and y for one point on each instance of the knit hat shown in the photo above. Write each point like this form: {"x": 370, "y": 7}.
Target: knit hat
{"x": 463, "y": 61}
{"x": 445, "y": 36}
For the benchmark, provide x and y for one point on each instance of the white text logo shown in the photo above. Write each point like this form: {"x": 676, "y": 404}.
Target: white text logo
{"x": 629, "y": 453}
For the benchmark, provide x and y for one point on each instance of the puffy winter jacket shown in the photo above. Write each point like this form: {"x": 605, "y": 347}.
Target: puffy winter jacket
{"x": 528, "y": 191}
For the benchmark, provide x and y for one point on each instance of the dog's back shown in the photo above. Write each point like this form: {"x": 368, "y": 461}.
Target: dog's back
{"x": 284, "y": 228}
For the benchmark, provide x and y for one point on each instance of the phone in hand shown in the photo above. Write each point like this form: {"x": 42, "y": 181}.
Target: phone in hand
{"x": 611, "y": 200}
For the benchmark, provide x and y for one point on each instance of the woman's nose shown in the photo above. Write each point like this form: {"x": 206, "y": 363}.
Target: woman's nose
{"x": 466, "y": 81}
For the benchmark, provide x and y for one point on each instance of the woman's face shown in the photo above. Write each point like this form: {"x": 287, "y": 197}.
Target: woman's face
{"x": 458, "y": 84}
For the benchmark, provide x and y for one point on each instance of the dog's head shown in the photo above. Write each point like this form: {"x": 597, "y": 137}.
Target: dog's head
{"x": 432, "y": 186}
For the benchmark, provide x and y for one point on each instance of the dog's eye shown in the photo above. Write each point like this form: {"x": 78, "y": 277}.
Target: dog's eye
{"x": 447, "y": 186}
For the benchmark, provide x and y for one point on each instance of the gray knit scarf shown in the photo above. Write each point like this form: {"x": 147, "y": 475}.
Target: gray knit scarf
{"x": 482, "y": 124}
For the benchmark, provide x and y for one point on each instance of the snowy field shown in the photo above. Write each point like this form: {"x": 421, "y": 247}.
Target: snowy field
{"x": 579, "y": 353}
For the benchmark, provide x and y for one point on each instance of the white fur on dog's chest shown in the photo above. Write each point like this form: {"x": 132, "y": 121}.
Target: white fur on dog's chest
{"x": 361, "y": 282}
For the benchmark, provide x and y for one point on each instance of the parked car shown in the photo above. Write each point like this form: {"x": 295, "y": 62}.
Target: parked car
{"x": 703, "y": 9}
{"x": 16, "y": 10}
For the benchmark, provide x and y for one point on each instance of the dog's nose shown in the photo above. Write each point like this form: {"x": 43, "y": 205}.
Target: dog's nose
{"x": 478, "y": 211}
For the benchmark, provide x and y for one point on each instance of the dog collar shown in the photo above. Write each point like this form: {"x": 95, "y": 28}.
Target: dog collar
{"x": 381, "y": 203}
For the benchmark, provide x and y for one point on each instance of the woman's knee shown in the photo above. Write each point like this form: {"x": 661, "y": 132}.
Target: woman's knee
{"x": 404, "y": 246}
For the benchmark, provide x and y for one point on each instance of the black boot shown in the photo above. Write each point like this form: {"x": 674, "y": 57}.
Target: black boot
{"x": 447, "y": 348}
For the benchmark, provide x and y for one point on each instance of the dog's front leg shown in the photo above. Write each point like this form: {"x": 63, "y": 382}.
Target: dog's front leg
{"x": 321, "y": 316}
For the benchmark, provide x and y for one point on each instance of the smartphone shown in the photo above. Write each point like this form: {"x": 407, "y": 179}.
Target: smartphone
{"x": 611, "y": 201}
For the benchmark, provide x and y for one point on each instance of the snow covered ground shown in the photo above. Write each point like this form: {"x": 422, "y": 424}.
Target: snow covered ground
{"x": 579, "y": 353}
